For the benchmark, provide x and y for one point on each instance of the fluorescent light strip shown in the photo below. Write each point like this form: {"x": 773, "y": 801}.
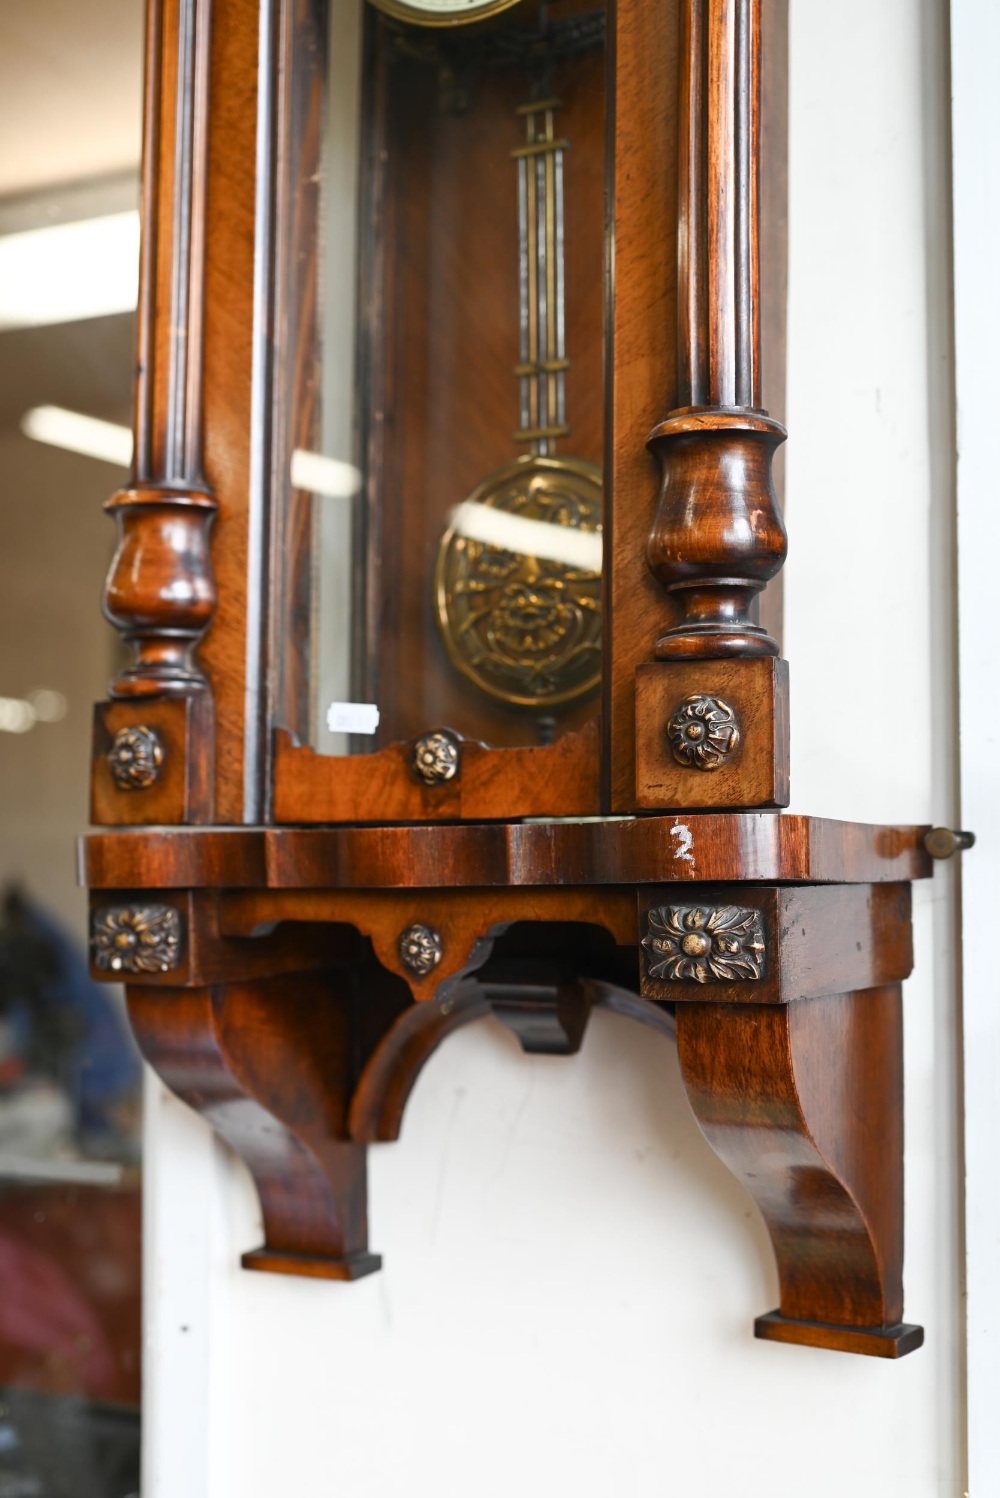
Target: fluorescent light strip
{"x": 112, "y": 443}
{"x": 79, "y": 434}
{"x": 579, "y": 549}
{"x": 69, "y": 271}
{"x": 316, "y": 474}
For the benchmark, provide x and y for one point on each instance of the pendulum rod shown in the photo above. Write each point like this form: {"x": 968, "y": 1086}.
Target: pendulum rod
{"x": 541, "y": 258}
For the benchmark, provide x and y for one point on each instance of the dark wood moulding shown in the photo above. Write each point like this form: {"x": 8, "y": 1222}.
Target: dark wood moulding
{"x": 683, "y": 848}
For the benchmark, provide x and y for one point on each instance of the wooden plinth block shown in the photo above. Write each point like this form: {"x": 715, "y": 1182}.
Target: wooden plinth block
{"x": 310, "y": 1266}
{"x": 151, "y": 764}
{"x": 712, "y": 733}
{"x": 873, "y": 1342}
{"x": 747, "y": 944}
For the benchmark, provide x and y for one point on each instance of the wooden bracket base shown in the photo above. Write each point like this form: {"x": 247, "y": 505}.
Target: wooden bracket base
{"x": 268, "y": 986}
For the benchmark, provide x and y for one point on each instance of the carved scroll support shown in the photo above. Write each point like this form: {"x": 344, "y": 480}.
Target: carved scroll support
{"x": 269, "y": 1064}
{"x": 789, "y": 1033}
{"x": 804, "y": 1103}
{"x": 718, "y": 537}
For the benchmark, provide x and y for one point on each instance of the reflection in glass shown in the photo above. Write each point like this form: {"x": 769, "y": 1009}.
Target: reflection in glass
{"x": 446, "y": 295}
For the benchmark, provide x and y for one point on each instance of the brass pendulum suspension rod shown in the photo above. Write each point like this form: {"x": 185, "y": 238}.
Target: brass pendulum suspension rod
{"x": 541, "y": 245}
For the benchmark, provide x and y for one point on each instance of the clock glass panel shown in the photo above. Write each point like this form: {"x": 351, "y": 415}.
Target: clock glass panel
{"x": 438, "y": 429}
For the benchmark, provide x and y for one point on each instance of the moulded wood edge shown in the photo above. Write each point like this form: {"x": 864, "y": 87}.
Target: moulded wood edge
{"x": 874, "y": 1342}
{"x": 312, "y": 1266}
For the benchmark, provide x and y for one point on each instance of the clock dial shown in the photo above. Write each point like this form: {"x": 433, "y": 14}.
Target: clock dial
{"x": 442, "y": 12}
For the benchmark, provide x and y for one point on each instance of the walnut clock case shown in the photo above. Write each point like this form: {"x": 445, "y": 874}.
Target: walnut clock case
{"x": 440, "y": 568}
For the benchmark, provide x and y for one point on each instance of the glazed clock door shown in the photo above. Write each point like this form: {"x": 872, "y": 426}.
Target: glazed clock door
{"x": 439, "y": 410}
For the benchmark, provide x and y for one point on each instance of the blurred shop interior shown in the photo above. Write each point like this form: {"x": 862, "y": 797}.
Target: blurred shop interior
{"x": 70, "y": 1078}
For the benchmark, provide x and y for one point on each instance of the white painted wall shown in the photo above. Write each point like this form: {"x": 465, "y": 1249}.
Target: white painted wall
{"x": 571, "y": 1276}
{"x": 976, "y": 145}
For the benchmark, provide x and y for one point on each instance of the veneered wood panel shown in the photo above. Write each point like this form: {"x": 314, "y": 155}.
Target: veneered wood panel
{"x": 229, "y": 314}
{"x": 643, "y": 349}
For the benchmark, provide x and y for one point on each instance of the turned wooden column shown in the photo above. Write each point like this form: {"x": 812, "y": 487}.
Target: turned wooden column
{"x": 711, "y": 719}
{"x": 160, "y": 592}
{"x": 153, "y": 741}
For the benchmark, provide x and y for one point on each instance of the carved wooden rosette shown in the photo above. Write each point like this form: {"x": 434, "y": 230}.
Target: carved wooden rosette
{"x": 160, "y": 592}
{"x": 718, "y": 537}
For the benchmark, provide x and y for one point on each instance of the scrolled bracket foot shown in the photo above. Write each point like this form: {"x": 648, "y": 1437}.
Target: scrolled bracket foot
{"x": 803, "y": 1101}
{"x": 313, "y": 1266}
{"x": 873, "y": 1342}
{"x": 269, "y": 1064}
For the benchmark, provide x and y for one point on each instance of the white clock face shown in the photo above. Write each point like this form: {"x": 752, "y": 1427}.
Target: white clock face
{"x": 442, "y": 12}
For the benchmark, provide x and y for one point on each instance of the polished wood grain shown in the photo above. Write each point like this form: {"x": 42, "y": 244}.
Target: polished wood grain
{"x": 718, "y": 536}
{"x": 700, "y": 847}
{"x": 773, "y": 229}
{"x": 160, "y": 591}
{"x": 804, "y": 1104}
{"x": 467, "y": 921}
{"x": 206, "y": 953}
{"x": 290, "y": 252}
{"x": 561, "y": 779}
{"x": 757, "y": 771}
{"x": 674, "y": 186}
{"x": 295, "y": 1071}
{"x": 642, "y": 355}
{"x": 314, "y": 968}
{"x": 183, "y": 789}
{"x": 269, "y": 1064}
{"x": 873, "y": 1342}
{"x": 818, "y": 939}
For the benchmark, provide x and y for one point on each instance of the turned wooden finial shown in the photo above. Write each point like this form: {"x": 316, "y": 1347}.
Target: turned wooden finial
{"x": 718, "y": 537}
{"x": 160, "y": 592}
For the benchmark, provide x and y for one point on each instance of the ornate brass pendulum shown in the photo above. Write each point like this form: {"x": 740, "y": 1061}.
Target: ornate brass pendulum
{"x": 518, "y": 577}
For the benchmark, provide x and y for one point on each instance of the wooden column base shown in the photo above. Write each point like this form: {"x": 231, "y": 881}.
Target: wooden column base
{"x": 312, "y": 1266}
{"x": 873, "y": 1342}
{"x": 712, "y": 733}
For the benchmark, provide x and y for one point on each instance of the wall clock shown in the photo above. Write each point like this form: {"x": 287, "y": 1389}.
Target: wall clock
{"x": 299, "y": 929}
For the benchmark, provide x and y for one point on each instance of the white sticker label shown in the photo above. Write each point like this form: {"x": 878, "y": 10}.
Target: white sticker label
{"x": 352, "y": 717}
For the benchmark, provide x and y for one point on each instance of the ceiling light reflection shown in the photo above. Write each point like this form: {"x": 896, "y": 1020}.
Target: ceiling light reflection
{"x": 79, "y": 434}
{"x": 68, "y": 272}
{"x": 582, "y": 550}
